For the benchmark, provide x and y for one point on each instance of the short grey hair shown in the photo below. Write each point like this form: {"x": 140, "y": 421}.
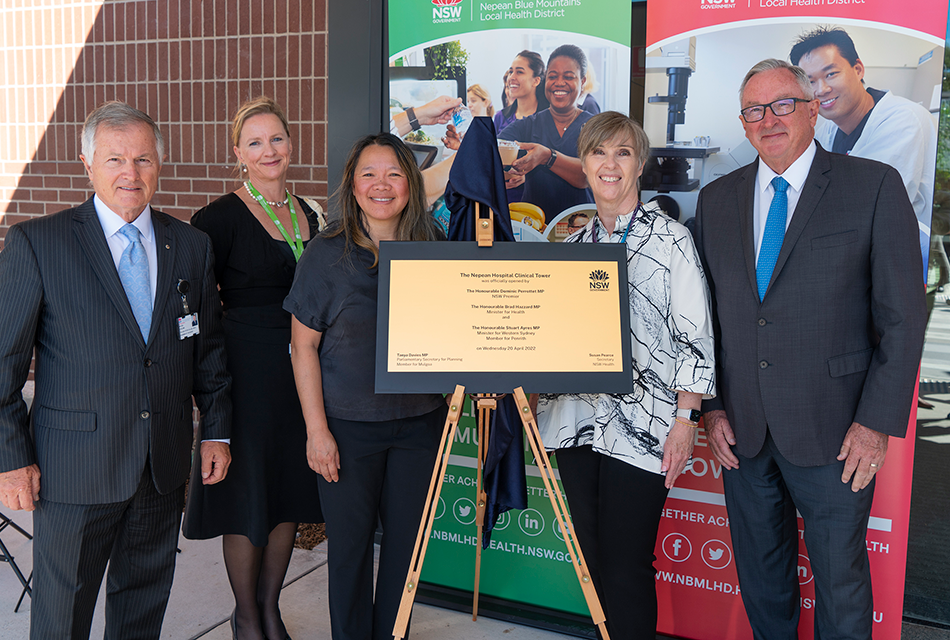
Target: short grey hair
{"x": 117, "y": 115}
{"x": 610, "y": 125}
{"x": 771, "y": 64}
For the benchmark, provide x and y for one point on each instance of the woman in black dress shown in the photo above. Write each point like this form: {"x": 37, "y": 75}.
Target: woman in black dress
{"x": 258, "y": 233}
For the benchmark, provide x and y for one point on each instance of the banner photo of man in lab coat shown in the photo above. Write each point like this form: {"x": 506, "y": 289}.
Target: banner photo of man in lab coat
{"x": 880, "y": 96}
{"x": 876, "y": 72}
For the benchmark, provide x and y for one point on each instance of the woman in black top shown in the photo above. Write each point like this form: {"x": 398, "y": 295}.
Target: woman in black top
{"x": 258, "y": 233}
{"x": 374, "y": 453}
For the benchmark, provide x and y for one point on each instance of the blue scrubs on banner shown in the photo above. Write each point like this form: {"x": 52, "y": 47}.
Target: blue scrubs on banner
{"x": 543, "y": 187}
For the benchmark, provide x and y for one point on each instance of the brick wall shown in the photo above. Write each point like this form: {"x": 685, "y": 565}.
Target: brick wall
{"x": 187, "y": 63}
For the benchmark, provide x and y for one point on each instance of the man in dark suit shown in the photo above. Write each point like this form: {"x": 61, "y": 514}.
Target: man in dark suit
{"x": 814, "y": 266}
{"x": 100, "y": 292}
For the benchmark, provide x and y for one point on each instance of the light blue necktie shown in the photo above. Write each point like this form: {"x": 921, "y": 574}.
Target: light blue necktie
{"x": 133, "y": 272}
{"x": 773, "y": 236}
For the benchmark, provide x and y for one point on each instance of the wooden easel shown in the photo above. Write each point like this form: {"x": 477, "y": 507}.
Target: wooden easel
{"x": 485, "y": 404}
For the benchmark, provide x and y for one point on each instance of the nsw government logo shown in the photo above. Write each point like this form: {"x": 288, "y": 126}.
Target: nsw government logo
{"x": 446, "y": 11}
{"x": 599, "y": 280}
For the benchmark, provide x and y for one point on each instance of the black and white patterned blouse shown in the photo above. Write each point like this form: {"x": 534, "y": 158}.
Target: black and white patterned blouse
{"x": 672, "y": 347}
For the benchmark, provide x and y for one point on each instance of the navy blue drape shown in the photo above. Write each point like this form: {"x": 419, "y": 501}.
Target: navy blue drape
{"x": 477, "y": 176}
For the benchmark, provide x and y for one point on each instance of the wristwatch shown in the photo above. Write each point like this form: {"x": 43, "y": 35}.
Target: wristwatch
{"x": 692, "y": 415}
{"x": 413, "y": 121}
{"x": 551, "y": 159}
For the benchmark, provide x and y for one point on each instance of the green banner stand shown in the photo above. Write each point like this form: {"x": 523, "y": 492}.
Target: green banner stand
{"x": 526, "y": 573}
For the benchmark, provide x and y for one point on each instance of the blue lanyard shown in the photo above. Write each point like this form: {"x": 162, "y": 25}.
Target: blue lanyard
{"x": 623, "y": 240}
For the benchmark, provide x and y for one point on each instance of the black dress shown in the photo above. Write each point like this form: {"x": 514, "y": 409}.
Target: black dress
{"x": 269, "y": 481}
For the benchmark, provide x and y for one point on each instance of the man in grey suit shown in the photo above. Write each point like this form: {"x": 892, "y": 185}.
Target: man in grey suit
{"x": 814, "y": 266}
{"x": 106, "y": 294}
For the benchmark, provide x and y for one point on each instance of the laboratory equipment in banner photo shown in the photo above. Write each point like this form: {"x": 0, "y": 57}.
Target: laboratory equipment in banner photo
{"x": 678, "y": 169}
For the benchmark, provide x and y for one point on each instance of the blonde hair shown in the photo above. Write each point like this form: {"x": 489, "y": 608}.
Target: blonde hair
{"x": 590, "y": 84}
{"x": 482, "y": 93}
{"x": 251, "y": 108}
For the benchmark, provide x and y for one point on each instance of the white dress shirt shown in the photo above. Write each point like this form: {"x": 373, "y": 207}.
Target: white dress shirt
{"x": 795, "y": 176}
{"x": 111, "y": 222}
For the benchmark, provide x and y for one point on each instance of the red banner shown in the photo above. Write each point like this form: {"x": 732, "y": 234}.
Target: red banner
{"x": 674, "y": 19}
{"x": 697, "y": 587}
{"x": 719, "y": 40}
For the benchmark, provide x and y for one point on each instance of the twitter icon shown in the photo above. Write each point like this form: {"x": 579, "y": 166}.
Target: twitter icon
{"x": 464, "y": 510}
{"x": 716, "y": 554}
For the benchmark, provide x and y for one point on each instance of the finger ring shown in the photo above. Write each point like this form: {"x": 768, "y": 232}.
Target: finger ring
{"x": 873, "y": 466}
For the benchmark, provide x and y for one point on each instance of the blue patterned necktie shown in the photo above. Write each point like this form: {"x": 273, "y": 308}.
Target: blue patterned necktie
{"x": 773, "y": 236}
{"x": 133, "y": 272}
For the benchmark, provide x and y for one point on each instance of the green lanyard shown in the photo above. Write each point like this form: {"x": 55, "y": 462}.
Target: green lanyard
{"x": 297, "y": 247}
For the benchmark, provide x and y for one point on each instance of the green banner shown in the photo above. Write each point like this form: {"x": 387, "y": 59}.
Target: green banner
{"x": 527, "y": 561}
{"x": 415, "y": 22}
{"x": 466, "y": 49}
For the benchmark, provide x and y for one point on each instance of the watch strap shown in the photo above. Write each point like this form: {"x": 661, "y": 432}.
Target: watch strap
{"x": 413, "y": 121}
{"x": 692, "y": 415}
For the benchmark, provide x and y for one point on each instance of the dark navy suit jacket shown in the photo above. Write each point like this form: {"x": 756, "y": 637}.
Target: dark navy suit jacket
{"x": 837, "y": 338}
{"x": 105, "y": 401}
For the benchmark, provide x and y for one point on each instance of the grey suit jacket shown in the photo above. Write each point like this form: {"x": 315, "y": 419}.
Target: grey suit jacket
{"x": 838, "y": 336}
{"x": 105, "y": 401}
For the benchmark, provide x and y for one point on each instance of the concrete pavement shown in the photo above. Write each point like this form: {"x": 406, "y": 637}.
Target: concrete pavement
{"x": 201, "y": 601}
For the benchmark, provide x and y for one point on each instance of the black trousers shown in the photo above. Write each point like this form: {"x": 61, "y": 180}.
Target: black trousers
{"x": 72, "y": 544}
{"x": 385, "y": 468}
{"x": 761, "y": 497}
{"x": 616, "y": 510}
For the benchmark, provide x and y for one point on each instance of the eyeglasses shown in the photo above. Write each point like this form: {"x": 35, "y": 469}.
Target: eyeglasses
{"x": 781, "y": 107}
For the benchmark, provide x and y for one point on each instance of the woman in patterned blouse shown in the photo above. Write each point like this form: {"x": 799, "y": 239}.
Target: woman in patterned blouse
{"x": 619, "y": 454}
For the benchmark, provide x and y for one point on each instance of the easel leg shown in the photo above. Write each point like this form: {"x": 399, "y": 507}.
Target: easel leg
{"x": 560, "y": 512}
{"x": 428, "y": 513}
{"x": 485, "y": 406}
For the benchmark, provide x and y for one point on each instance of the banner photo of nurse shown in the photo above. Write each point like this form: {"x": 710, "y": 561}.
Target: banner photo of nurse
{"x": 525, "y": 65}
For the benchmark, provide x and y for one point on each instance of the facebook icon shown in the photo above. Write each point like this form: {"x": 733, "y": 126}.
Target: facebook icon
{"x": 677, "y": 547}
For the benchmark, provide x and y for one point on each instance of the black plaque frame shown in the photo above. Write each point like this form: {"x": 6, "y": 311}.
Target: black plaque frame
{"x": 502, "y": 381}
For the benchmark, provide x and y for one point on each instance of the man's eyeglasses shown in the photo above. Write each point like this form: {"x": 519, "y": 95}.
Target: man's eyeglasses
{"x": 781, "y": 107}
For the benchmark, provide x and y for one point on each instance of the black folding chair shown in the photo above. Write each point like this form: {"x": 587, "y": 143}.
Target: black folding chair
{"x": 5, "y": 556}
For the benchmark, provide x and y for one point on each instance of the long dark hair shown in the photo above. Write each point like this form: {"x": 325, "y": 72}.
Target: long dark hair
{"x": 537, "y": 68}
{"x": 415, "y": 222}
{"x": 504, "y": 90}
